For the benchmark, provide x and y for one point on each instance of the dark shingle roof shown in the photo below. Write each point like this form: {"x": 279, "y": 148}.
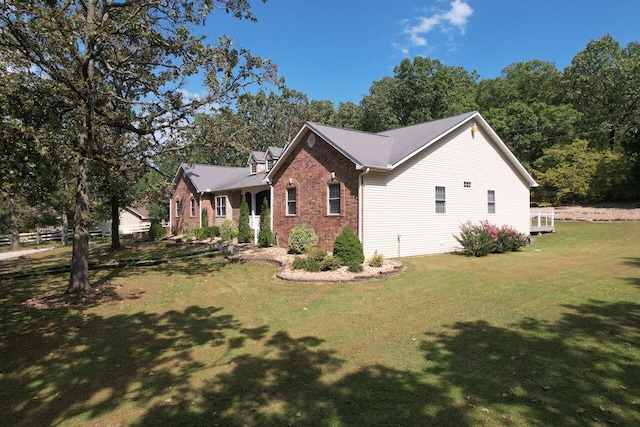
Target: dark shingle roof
{"x": 385, "y": 149}
{"x": 210, "y": 178}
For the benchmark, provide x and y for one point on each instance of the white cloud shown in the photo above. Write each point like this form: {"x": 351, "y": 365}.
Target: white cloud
{"x": 456, "y": 18}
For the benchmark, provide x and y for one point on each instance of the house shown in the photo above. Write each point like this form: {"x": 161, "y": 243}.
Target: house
{"x": 207, "y": 195}
{"x": 405, "y": 191}
{"x": 133, "y": 219}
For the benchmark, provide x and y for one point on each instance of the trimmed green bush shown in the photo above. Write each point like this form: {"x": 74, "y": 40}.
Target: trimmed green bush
{"x": 265, "y": 235}
{"x": 330, "y": 263}
{"x": 356, "y": 268}
{"x": 301, "y": 238}
{"x": 304, "y": 263}
{"x": 316, "y": 253}
{"x": 156, "y": 231}
{"x": 228, "y": 230}
{"x": 207, "y": 232}
{"x": 348, "y": 248}
{"x": 244, "y": 231}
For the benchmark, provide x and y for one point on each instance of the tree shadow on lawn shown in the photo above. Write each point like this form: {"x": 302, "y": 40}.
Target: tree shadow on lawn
{"x": 62, "y": 363}
{"x": 582, "y": 369}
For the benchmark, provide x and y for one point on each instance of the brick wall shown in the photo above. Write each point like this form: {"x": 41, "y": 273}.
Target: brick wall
{"x": 309, "y": 170}
{"x": 184, "y": 192}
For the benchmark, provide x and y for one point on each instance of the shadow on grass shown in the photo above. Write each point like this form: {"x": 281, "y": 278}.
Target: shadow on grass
{"x": 582, "y": 369}
{"x": 58, "y": 364}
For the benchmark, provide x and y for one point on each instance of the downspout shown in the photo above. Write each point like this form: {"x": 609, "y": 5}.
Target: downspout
{"x": 361, "y": 204}
{"x": 200, "y": 209}
{"x": 170, "y": 218}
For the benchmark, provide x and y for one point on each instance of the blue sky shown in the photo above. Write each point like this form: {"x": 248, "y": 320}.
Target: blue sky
{"x": 335, "y": 49}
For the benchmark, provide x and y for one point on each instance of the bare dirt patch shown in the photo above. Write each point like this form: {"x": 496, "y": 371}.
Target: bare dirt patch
{"x": 284, "y": 260}
{"x": 105, "y": 292}
{"x": 603, "y": 212}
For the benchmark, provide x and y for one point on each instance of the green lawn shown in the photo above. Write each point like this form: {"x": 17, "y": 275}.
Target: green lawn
{"x": 546, "y": 336}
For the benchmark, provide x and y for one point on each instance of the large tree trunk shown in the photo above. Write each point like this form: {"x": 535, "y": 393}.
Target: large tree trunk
{"x": 115, "y": 224}
{"x": 15, "y": 233}
{"x": 79, "y": 280}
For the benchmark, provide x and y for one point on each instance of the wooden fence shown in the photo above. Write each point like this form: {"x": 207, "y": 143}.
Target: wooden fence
{"x": 48, "y": 235}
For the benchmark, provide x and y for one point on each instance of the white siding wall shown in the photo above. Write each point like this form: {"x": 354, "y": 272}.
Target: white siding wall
{"x": 402, "y": 202}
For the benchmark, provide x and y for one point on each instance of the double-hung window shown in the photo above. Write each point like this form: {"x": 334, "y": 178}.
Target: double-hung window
{"x": 291, "y": 201}
{"x": 491, "y": 201}
{"x": 178, "y": 208}
{"x": 441, "y": 200}
{"x": 253, "y": 167}
{"x": 269, "y": 164}
{"x": 221, "y": 206}
{"x": 334, "y": 199}
{"x": 192, "y": 207}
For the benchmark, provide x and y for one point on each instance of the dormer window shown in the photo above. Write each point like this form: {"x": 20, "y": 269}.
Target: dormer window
{"x": 253, "y": 167}
{"x": 270, "y": 163}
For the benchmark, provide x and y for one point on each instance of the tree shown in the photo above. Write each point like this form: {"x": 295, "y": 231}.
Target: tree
{"x": 421, "y": 90}
{"x": 28, "y": 125}
{"x": 527, "y": 108}
{"x": 265, "y": 235}
{"x": 244, "y": 232}
{"x": 91, "y": 48}
{"x": 574, "y": 173}
{"x": 603, "y": 82}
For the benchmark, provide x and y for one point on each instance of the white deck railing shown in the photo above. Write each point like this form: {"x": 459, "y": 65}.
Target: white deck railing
{"x": 543, "y": 222}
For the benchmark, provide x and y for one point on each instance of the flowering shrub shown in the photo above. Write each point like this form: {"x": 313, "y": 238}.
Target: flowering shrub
{"x": 486, "y": 238}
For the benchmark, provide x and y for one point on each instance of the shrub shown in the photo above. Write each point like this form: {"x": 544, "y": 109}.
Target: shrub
{"x": 244, "y": 231}
{"x": 204, "y": 217}
{"x": 304, "y": 263}
{"x": 330, "y": 263}
{"x": 348, "y": 248}
{"x": 376, "y": 260}
{"x": 480, "y": 240}
{"x": 301, "y": 238}
{"x": 299, "y": 263}
{"x": 207, "y": 232}
{"x": 356, "y": 268}
{"x": 316, "y": 253}
{"x": 228, "y": 230}
{"x": 265, "y": 236}
{"x": 156, "y": 230}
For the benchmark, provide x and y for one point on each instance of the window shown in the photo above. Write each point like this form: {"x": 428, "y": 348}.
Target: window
{"x": 467, "y": 184}
{"x": 270, "y": 164}
{"x": 193, "y": 207}
{"x": 491, "y": 201}
{"x": 291, "y": 201}
{"x": 334, "y": 199}
{"x": 253, "y": 168}
{"x": 441, "y": 201}
{"x": 178, "y": 208}
{"x": 221, "y": 206}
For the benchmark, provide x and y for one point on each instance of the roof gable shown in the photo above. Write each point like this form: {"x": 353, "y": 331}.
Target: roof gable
{"x": 389, "y": 149}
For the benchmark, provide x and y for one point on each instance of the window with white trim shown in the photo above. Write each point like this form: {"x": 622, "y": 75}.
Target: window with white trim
{"x": 192, "y": 207}
{"x": 292, "y": 198}
{"x": 221, "y": 206}
{"x": 491, "y": 201}
{"x": 254, "y": 168}
{"x": 441, "y": 200}
{"x": 178, "y": 208}
{"x": 334, "y": 198}
{"x": 270, "y": 164}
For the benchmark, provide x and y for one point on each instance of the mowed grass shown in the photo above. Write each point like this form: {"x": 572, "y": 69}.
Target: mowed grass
{"x": 546, "y": 336}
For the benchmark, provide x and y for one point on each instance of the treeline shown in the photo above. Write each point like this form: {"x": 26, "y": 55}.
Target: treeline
{"x": 576, "y": 130}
